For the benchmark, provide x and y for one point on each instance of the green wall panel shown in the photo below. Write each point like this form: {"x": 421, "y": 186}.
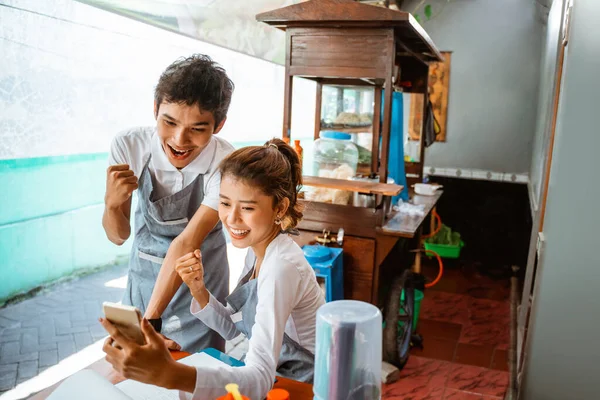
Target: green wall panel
{"x": 42, "y": 250}
{"x": 51, "y": 219}
{"x": 36, "y": 187}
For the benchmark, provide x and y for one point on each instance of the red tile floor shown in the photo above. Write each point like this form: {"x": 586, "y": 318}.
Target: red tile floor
{"x": 464, "y": 321}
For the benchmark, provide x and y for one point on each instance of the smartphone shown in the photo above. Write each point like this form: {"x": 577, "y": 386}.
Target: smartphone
{"x": 127, "y": 319}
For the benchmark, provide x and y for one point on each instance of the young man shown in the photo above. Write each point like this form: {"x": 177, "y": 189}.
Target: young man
{"x": 174, "y": 168}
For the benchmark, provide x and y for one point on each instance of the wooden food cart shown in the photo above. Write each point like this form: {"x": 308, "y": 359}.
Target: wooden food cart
{"x": 343, "y": 42}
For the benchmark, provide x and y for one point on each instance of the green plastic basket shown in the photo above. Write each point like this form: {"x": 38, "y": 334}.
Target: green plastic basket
{"x": 445, "y": 250}
{"x": 418, "y": 298}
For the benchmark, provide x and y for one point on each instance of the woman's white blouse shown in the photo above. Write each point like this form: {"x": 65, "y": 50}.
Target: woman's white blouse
{"x": 288, "y": 299}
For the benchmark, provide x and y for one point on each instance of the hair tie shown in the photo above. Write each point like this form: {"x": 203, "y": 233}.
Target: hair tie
{"x": 272, "y": 145}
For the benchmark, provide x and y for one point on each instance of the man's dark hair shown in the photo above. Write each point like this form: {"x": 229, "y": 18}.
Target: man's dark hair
{"x": 196, "y": 80}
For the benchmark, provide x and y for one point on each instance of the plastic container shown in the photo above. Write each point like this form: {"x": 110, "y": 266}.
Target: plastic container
{"x": 335, "y": 156}
{"x": 229, "y": 396}
{"x": 328, "y": 264}
{"x": 445, "y": 250}
{"x": 426, "y": 189}
{"x": 348, "y": 351}
{"x": 299, "y": 150}
{"x": 418, "y": 299}
{"x": 278, "y": 394}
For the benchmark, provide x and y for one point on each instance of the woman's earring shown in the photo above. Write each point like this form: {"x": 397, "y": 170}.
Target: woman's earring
{"x": 277, "y": 221}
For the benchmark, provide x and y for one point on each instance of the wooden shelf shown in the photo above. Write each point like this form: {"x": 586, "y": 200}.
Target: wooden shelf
{"x": 359, "y": 129}
{"x": 384, "y": 189}
{"x": 346, "y": 83}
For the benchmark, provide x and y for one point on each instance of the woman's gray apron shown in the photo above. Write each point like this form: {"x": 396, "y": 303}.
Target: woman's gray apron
{"x": 157, "y": 223}
{"x": 295, "y": 362}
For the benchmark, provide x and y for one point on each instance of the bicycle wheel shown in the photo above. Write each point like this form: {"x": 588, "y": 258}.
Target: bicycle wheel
{"x": 399, "y": 321}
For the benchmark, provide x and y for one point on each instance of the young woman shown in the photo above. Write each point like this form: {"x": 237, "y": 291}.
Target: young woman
{"x": 275, "y": 302}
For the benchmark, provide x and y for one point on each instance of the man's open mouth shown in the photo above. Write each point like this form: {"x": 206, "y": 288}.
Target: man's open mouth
{"x": 179, "y": 153}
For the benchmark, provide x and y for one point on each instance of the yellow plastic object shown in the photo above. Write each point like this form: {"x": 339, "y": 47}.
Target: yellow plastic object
{"x": 234, "y": 390}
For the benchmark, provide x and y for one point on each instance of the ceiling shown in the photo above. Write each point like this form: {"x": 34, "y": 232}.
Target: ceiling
{"x": 227, "y": 23}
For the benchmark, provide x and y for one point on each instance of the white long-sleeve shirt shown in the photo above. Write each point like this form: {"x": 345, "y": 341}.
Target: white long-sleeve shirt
{"x": 288, "y": 299}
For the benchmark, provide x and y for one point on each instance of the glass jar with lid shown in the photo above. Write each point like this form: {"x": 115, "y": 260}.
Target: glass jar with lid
{"x": 334, "y": 156}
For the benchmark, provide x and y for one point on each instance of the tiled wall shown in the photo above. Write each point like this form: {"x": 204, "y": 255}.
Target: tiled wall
{"x": 479, "y": 174}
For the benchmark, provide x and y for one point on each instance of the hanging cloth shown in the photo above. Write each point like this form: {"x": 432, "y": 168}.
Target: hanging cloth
{"x": 431, "y": 127}
{"x": 396, "y": 155}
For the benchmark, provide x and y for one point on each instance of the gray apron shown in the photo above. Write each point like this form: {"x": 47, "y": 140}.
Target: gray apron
{"x": 295, "y": 362}
{"x": 157, "y": 223}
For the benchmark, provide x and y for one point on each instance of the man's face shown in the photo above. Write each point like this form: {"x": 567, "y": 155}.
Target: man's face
{"x": 184, "y": 131}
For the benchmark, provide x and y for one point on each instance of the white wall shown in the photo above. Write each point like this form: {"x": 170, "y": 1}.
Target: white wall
{"x": 562, "y": 343}
{"x": 73, "y": 75}
{"x": 496, "y": 47}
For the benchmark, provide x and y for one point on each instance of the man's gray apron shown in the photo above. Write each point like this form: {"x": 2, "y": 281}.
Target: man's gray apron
{"x": 295, "y": 362}
{"x": 157, "y": 223}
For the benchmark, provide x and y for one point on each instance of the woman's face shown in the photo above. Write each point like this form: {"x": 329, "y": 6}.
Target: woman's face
{"x": 248, "y": 214}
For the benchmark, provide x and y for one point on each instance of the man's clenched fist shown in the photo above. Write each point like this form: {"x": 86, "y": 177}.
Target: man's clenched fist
{"x": 120, "y": 184}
